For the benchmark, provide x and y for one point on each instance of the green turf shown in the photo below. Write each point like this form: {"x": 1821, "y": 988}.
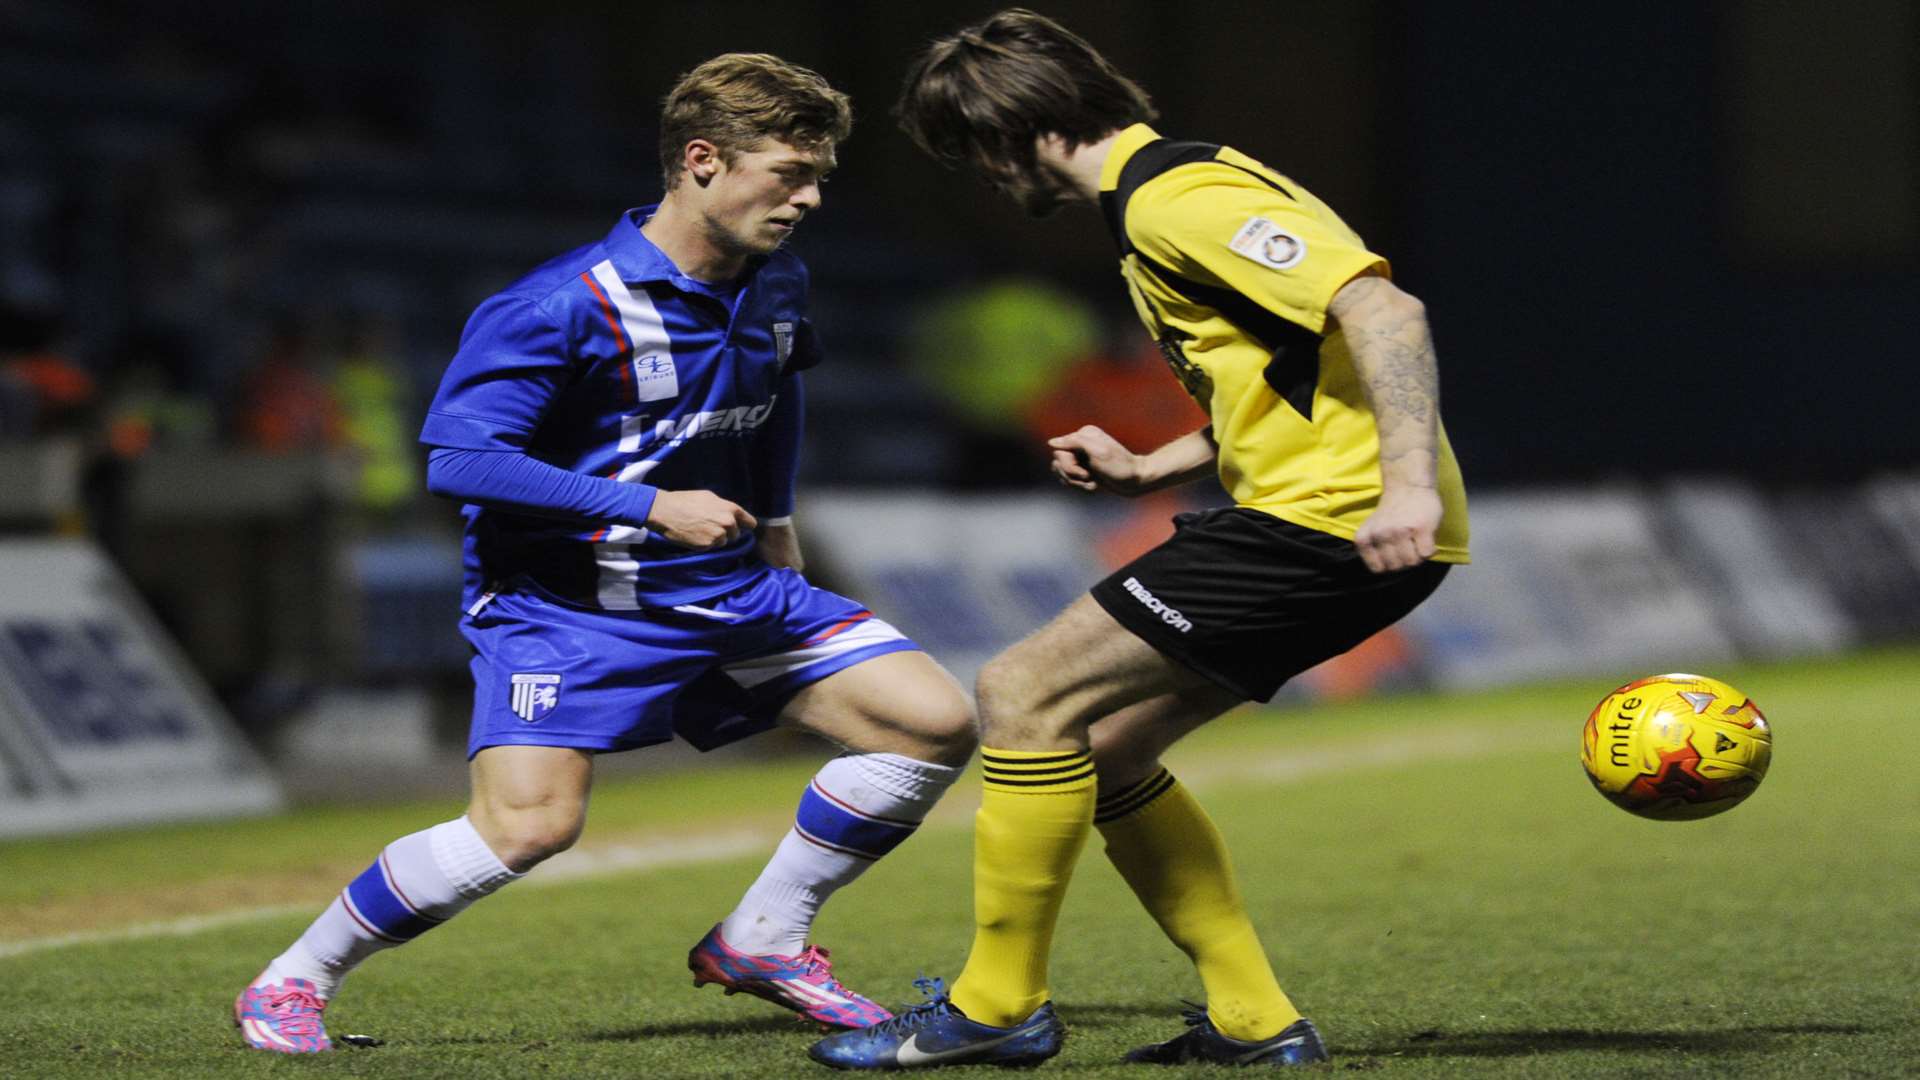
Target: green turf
{"x": 1473, "y": 909}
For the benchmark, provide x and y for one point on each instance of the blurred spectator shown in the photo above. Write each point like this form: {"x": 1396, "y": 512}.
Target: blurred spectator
{"x": 149, "y": 404}
{"x": 18, "y": 408}
{"x": 371, "y": 389}
{"x": 990, "y": 351}
{"x": 46, "y": 392}
{"x": 1127, "y": 391}
{"x": 151, "y": 399}
{"x": 286, "y": 405}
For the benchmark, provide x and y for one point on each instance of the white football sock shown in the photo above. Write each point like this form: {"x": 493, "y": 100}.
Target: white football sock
{"x": 420, "y": 881}
{"x": 858, "y": 808}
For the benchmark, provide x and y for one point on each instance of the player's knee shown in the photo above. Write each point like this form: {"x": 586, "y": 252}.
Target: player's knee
{"x": 523, "y": 839}
{"x": 936, "y": 726}
{"x": 534, "y": 842}
{"x": 950, "y": 730}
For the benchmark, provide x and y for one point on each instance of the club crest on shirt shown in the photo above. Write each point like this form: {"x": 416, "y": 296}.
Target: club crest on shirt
{"x": 782, "y": 341}
{"x": 1268, "y": 244}
{"x": 654, "y": 378}
{"x": 534, "y": 695}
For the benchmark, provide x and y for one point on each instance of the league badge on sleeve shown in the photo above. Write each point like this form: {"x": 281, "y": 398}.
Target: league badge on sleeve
{"x": 1268, "y": 244}
{"x": 534, "y": 695}
{"x": 782, "y": 342}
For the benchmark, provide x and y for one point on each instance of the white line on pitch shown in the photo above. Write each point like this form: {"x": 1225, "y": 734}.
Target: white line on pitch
{"x": 603, "y": 860}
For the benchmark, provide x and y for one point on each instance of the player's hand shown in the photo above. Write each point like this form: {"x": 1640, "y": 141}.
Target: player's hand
{"x": 1399, "y": 533}
{"x": 1092, "y": 460}
{"x": 697, "y": 519}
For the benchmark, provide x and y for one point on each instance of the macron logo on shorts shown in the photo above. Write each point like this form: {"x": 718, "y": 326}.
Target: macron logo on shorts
{"x": 534, "y": 695}
{"x": 1154, "y": 604}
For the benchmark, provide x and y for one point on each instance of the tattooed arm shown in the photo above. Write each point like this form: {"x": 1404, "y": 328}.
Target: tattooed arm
{"x": 1386, "y": 332}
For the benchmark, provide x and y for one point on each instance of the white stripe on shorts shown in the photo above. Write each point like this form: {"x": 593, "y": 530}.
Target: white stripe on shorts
{"x": 756, "y": 670}
{"x": 710, "y": 613}
{"x": 619, "y": 570}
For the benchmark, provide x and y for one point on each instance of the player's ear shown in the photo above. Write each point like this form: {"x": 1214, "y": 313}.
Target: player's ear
{"x": 1052, "y": 147}
{"x": 702, "y": 160}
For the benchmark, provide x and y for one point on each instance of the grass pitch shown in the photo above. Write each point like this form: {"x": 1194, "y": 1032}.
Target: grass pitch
{"x": 1439, "y": 888}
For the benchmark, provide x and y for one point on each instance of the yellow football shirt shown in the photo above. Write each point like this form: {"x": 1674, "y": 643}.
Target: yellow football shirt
{"x": 1231, "y": 266}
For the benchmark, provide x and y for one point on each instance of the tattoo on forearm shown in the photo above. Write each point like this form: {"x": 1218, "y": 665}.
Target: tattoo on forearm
{"x": 1393, "y": 352}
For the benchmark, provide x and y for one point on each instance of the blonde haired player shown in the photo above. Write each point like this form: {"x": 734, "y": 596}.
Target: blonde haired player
{"x": 623, "y": 424}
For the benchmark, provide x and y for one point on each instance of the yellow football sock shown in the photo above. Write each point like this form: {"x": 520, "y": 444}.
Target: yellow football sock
{"x": 1168, "y": 850}
{"x": 1035, "y": 810}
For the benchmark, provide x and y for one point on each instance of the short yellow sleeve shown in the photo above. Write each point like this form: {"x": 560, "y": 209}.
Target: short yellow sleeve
{"x": 1217, "y": 225}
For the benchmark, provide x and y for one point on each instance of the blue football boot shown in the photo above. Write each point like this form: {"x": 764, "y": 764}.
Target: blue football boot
{"x": 1298, "y": 1044}
{"x": 936, "y": 1033}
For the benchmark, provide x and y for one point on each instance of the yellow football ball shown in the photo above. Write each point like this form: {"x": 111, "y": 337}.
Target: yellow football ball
{"x": 1675, "y": 747}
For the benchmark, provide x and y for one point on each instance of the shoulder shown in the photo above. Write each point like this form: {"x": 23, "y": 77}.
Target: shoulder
{"x": 557, "y": 284}
{"x": 564, "y": 292}
{"x": 555, "y": 307}
{"x": 1203, "y": 191}
{"x": 1233, "y": 203}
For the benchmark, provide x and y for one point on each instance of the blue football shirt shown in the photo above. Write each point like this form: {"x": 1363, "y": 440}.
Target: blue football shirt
{"x": 609, "y": 361}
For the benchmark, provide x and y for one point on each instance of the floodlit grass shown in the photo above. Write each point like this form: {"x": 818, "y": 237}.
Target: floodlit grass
{"x": 1439, "y": 887}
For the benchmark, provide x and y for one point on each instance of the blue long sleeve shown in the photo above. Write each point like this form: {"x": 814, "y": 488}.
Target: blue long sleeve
{"x": 777, "y": 451}
{"x": 510, "y": 480}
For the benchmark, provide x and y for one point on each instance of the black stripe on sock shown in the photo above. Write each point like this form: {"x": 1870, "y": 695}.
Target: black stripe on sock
{"x": 1086, "y": 774}
{"x": 1128, "y": 792}
{"x": 1140, "y": 796}
{"x": 991, "y": 758}
{"x": 996, "y": 773}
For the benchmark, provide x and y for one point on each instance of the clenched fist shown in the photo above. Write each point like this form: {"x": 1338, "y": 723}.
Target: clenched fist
{"x": 697, "y": 519}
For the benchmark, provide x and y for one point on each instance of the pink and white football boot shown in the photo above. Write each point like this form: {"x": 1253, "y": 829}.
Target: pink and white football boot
{"x": 803, "y": 983}
{"x": 283, "y": 1017}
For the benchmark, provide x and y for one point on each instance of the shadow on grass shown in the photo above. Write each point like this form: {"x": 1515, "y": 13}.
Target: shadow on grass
{"x": 1557, "y": 1040}
{"x": 1077, "y": 1016}
{"x": 714, "y": 1029}
{"x": 718, "y": 1029}
{"x": 1104, "y": 1015}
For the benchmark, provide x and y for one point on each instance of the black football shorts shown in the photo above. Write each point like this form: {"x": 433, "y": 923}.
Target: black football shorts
{"x": 1250, "y": 601}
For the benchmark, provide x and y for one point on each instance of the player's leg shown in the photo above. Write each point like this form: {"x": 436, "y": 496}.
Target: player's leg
{"x": 1251, "y": 601}
{"x": 908, "y": 731}
{"x": 551, "y": 686}
{"x": 1036, "y": 703}
{"x": 1174, "y": 859}
{"x": 895, "y": 703}
{"x": 528, "y": 803}
{"x": 812, "y": 659}
{"x": 1235, "y": 599}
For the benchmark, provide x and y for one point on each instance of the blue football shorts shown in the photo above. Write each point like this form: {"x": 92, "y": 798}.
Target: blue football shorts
{"x": 546, "y": 673}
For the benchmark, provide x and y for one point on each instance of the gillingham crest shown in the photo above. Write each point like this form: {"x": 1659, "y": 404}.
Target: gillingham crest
{"x": 534, "y": 695}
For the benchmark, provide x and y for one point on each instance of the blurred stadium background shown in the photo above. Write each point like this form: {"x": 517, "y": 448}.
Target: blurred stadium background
{"x": 1671, "y": 251}
{"x": 1672, "y": 255}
